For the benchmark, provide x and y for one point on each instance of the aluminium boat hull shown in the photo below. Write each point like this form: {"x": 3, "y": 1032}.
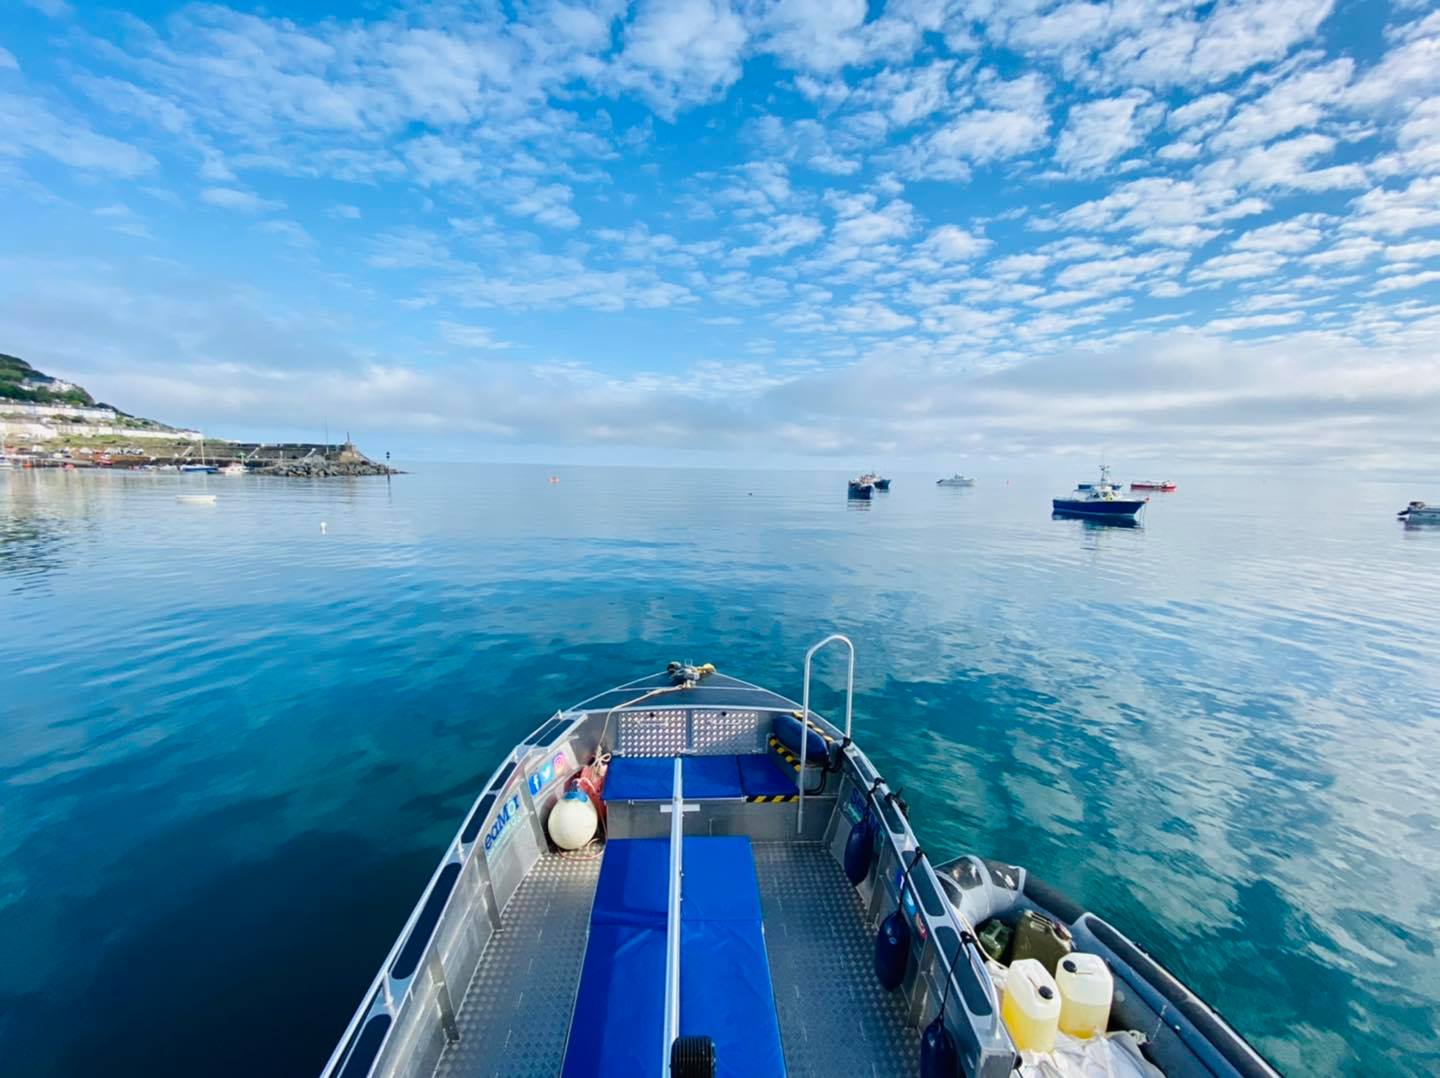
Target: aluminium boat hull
{"x": 492, "y": 971}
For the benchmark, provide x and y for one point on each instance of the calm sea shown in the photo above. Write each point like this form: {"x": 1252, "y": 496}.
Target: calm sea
{"x": 233, "y": 743}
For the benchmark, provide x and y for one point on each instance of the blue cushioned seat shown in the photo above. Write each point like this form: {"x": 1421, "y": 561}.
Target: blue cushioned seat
{"x": 712, "y": 776}
{"x": 640, "y": 778}
{"x": 651, "y": 778}
{"x": 725, "y": 991}
{"x": 622, "y": 983}
{"x": 762, "y": 775}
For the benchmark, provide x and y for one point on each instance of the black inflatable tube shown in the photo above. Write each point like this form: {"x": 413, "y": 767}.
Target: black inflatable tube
{"x": 1235, "y": 1051}
{"x": 1051, "y": 900}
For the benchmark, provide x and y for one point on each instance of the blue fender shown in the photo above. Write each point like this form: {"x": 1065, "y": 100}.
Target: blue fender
{"x": 892, "y": 950}
{"x": 860, "y": 850}
{"x": 939, "y": 1058}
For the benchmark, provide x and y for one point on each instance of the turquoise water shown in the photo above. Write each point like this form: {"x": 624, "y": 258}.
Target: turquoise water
{"x": 233, "y": 745}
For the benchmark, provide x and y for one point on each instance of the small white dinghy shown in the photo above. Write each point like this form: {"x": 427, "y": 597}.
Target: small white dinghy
{"x": 196, "y": 499}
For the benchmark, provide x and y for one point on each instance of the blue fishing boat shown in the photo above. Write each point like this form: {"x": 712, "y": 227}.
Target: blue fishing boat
{"x": 862, "y": 488}
{"x": 1099, "y": 501}
{"x": 692, "y": 876}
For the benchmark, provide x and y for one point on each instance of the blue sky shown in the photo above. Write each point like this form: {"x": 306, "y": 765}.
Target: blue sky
{"x": 1190, "y": 233}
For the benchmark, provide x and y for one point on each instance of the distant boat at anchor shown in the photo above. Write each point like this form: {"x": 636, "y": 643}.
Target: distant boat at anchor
{"x": 202, "y": 467}
{"x": 956, "y": 480}
{"x": 1099, "y": 501}
{"x": 862, "y": 488}
{"x": 1420, "y": 513}
{"x": 1152, "y": 484}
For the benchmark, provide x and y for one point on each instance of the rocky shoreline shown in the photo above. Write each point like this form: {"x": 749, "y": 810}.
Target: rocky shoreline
{"x": 325, "y": 469}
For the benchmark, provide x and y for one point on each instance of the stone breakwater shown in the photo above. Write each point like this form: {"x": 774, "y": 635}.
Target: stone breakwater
{"x": 325, "y": 469}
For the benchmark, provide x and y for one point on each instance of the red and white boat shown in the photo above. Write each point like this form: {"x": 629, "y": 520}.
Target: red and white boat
{"x": 1152, "y": 484}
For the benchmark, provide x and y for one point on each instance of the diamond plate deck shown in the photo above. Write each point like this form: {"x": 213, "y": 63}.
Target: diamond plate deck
{"x": 834, "y": 1016}
{"x": 516, "y": 1013}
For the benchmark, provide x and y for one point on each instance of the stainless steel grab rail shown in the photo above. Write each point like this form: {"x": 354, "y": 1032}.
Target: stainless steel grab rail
{"x": 805, "y": 707}
{"x": 672, "y": 919}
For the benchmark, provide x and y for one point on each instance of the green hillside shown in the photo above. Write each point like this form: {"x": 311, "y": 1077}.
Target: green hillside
{"x": 21, "y": 382}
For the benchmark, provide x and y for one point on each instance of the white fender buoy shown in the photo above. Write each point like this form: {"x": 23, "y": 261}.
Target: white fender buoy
{"x": 572, "y": 821}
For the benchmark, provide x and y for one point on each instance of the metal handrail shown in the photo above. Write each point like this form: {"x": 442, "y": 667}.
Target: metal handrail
{"x": 382, "y": 982}
{"x": 672, "y": 925}
{"x": 805, "y": 707}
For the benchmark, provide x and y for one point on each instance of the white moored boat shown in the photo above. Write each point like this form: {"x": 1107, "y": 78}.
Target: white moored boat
{"x": 1420, "y": 513}
{"x": 956, "y": 480}
{"x": 692, "y": 875}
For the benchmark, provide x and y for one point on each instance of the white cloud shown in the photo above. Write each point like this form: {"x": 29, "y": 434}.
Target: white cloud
{"x": 1300, "y": 101}
{"x": 1173, "y": 235}
{"x": 950, "y": 243}
{"x": 1404, "y": 281}
{"x": 1238, "y": 266}
{"x": 1418, "y": 138}
{"x": 898, "y": 197}
{"x": 1285, "y": 237}
{"x": 1156, "y": 46}
{"x": 292, "y": 232}
{"x": 1097, "y": 132}
{"x": 30, "y": 127}
{"x": 1200, "y": 115}
{"x": 473, "y": 338}
{"x": 1285, "y": 165}
{"x": 1411, "y": 67}
{"x": 780, "y": 235}
{"x": 1013, "y": 121}
{"x": 1239, "y": 35}
{"x": 1162, "y": 201}
{"x": 1413, "y": 252}
{"x": 860, "y": 224}
{"x": 547, "y": 203}
{"x": 1020, "y": 265}
{"x": 232, "y": 198}
{"x": 1395, "y": 213}
{"x": 680, "y": 52}
{"x": 8, "y": 61}
{"x": 1351, "y": 251}
{"x": 1253, "y": 321}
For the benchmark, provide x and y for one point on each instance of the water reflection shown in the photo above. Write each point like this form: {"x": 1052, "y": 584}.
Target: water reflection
{"x": 1094, "y": 522}
{"x": 1163, "y": 722}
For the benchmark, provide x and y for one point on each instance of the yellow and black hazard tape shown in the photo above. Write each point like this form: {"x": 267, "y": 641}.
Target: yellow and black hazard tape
{"x": 829, "y": 740}
{"x": 785, "y": 754}
{"x": 765, "y": 799}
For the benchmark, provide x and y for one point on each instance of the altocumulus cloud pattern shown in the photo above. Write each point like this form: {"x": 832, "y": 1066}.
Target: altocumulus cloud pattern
{"x": 1203, "y": 231}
